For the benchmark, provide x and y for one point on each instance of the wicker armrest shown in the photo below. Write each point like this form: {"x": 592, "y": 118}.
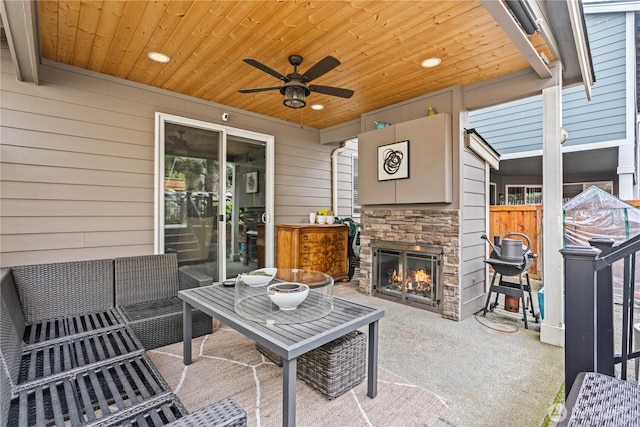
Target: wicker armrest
{"x": 600, "y": 400}
{"x": 192, "y": 278}
{"x": 223, "y": 413}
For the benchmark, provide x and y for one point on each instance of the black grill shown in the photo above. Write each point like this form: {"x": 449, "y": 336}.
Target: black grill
{"x": 509, "y": 258}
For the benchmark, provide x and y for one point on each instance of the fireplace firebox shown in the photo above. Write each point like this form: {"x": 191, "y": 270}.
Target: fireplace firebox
{"x": 410, "y": 274}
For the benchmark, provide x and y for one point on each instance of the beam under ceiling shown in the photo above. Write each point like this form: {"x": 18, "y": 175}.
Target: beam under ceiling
{"x": 514, "y": 31}
{"x": 18, "y": 23}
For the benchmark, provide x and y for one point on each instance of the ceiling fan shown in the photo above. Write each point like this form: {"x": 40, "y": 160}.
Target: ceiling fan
{"x": 295, "y": 87}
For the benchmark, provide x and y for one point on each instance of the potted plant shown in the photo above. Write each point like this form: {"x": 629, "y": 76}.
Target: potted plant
{"x": 322, "y": 216}
{"x": 175, "y": 181}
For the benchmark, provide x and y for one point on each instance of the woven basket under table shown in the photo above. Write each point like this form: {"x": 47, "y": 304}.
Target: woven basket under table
{"x": 332, "y": 368}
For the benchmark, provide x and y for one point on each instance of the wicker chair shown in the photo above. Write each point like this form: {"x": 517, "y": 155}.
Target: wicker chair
{"x": 60, "y": 298}
{"x": 146, "y": 295}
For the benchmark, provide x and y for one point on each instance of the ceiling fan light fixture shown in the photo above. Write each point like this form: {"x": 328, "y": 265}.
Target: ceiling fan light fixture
{"x": 294, "y": 96}
{"x": 431, "y": 62}
{"x": 295, "y": 88}
{"x": 158, "y": 57}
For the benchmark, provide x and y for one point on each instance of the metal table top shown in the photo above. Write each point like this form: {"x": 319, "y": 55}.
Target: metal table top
{"x": 287, "y": 340}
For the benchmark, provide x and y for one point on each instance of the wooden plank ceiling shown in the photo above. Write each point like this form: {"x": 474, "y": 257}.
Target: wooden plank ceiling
{"x": 380, "y": 45}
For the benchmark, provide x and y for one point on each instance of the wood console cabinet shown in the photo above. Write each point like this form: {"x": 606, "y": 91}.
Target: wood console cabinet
{"x": 314, "y": 247}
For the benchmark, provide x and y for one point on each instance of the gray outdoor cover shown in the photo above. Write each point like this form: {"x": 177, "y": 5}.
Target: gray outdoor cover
{"x": 596, "y": 213}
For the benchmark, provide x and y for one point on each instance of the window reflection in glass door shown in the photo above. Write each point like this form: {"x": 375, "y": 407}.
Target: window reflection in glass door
{"x": 192, "y": 195}
{"x": 247, "y": 179}
{"x": 214, "y": 196}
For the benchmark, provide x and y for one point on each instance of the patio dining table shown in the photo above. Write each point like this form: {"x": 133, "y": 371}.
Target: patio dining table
{"x": 289, "y": 340}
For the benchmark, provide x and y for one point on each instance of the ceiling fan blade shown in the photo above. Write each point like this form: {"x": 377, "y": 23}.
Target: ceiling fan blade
{"x": 259, "y": 89}
{"x": 321, "y": 67}
{"x": 266, "y": 69}
{"x": 333, "y": 91}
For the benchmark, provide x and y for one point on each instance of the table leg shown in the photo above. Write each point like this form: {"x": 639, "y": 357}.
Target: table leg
{"x": 289, "y": 392}
{"x": 187, "y": 333}
{"x": 372, "y": 366}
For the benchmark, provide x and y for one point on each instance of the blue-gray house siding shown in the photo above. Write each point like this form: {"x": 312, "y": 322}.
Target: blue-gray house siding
{"x": 511, "y": 128}
{"x": 516, "y": 127}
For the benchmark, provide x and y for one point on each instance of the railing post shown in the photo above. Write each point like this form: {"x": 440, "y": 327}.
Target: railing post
{"x": 580, "y": 297}
{"x": 604, "y": 310}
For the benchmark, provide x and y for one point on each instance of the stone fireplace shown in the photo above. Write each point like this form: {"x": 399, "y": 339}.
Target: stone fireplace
{"x": 408, "y": 273}
{"x": 444, "y": 192}
{"x": 427, "y": 242}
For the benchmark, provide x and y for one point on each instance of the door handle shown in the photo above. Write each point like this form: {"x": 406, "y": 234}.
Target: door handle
{"x": 264, "y": 217}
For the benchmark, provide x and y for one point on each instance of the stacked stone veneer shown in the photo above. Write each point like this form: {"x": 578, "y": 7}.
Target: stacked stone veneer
{"x": 412, "y": 226}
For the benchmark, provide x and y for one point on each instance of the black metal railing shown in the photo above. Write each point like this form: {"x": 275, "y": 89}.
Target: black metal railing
{"x": 180, "y": 206}
{"x": 590, "y": 344}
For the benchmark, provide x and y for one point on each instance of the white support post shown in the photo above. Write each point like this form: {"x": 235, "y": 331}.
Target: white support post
{"x": 626, "y": 189}
{"x": 626, "y": 152}
{"x": 552, "y": 328}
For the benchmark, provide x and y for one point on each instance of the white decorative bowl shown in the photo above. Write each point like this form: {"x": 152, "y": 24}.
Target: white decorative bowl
{"x": 288, "y": 295}
{"x": 258, "y": 277}
{"x": 322, "y": 219}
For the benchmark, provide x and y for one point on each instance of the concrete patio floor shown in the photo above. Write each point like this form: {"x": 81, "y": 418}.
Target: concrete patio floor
{"x": 491, "y": 377}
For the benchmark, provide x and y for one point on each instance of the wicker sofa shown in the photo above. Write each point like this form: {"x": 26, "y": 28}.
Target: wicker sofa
{"x": 68, "y": 356}
{"x": 146, "y": 296}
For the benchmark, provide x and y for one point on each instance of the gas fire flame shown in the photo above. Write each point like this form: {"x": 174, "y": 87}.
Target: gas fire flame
{"x": 417, "y": 280}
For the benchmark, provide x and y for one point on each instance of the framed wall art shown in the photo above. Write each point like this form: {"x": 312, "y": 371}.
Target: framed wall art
{"x": 251, "y": 181}
{"x": 393, "y": 161}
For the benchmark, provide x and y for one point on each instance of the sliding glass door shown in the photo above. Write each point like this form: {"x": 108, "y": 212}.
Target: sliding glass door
{"x": 246, "y": 210}
{"x": 214, "y": 196}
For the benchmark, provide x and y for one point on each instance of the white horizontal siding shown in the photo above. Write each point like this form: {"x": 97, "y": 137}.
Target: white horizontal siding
{"x": 44, "y": 241}
{"x": 70, "y": 125}
{"x": 345, "y": 186}
{"x": 79, "y": 224}
{"x": 45, "y": 191}
{"x": 94, "y": 178}
{"x": 475, "y": 250}
{"x": 73, "y": 208}
{"x": 75, "y": 144}
{"x": 57, "y": 158}
{"x": 287, "y": 195}
{"x": 473, "y": 224}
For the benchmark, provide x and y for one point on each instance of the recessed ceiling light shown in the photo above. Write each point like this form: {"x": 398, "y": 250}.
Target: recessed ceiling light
{"x": 431, "y": 62}
{"x": 159, "y": 57}
{"x": 317, "y": 107}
